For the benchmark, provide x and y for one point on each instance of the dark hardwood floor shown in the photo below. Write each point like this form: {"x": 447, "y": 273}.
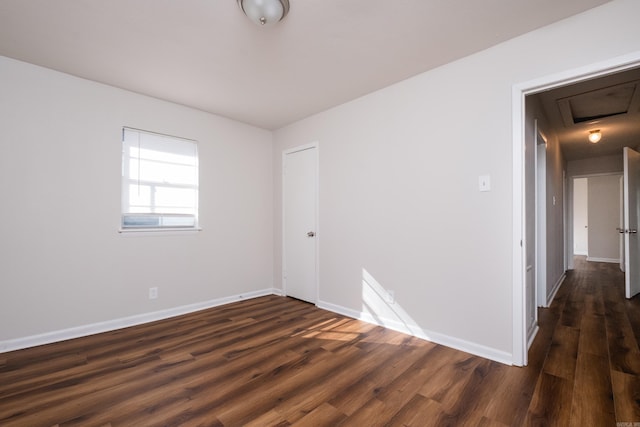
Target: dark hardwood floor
{"x": 275, "y": 361}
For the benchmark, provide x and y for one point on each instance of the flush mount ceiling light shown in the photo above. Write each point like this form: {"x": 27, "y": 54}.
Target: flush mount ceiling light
{"x": 594, "y": 136}
{"x": 265, "y": 12}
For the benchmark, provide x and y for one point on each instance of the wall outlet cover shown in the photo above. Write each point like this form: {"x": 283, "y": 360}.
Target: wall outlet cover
{"x": 484, "y": 182}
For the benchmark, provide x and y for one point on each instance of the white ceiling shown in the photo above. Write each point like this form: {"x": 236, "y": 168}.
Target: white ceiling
{"x": 206, "y": 54}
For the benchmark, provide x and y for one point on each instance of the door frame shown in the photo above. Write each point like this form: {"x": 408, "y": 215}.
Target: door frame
{"x": 312, "y": 145}
{"x": 623, "y": 259}
{"x": 519, "y": 92}
{"x": 540, "y": 161}
{"x": 570, "y": 215}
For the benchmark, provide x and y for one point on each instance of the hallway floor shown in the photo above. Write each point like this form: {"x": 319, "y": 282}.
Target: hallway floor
{"x": 590, "y": 373}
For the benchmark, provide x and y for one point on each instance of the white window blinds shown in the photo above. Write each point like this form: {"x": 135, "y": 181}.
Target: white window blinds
{"x": 159, "y": 181}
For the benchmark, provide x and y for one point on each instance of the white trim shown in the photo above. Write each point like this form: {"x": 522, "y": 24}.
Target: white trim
{"x": 438, "y": 338}
{"x": 532, "y": 335}
{"x": 137, "y": 232}
{"x": 597, "y": 259}
{"x": 555, "y": 289}
{"x": 312, "y": 145}
{"x": 581, "y": 253}
{"x": 565, "y": 213}
{"x": 519, "y": 91}
{"x": 519, "y": 351}
{"x": 569, "y": 231}
{"x": 595, "y": 175}
{"x": 540, "y": 216}
{"x": 125, "y": 322}
{"x": 302, "y": 147}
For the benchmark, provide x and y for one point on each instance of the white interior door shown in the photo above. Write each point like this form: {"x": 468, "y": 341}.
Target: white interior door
{"x": 580, "y": 216}
{"x": 300, "y": 195}
{"x": 631, "y": 211}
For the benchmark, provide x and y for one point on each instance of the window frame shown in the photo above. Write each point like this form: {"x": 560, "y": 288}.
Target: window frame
{"x": 155, "y": 218}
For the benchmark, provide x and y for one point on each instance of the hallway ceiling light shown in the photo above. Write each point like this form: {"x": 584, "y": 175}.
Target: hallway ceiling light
{"x": 594, "y": 136}
{"x": 265, "y": 12}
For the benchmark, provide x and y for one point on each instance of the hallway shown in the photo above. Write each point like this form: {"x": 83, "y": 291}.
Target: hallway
{"x": 588, "y": 349}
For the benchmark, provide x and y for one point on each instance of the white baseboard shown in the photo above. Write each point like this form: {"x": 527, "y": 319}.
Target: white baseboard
{"x": 125, "y": 322}
{"x": 555, "y": 289}
{"x": 611, "y": 260}
{"x": 110, "y": 325}
{"x": 581, "y": 253}
{"x": 438, "y": 338}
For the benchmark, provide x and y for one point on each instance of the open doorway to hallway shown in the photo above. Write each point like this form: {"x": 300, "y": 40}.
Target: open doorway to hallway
{"x": 607, "y": 98}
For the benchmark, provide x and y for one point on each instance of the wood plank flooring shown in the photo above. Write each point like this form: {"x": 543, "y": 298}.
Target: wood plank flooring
{"x": 275, "y": 361}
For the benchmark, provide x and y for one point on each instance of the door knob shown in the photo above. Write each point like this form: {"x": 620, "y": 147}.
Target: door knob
{"x": 311, "y": 234}
{"x": 629, "y": 231}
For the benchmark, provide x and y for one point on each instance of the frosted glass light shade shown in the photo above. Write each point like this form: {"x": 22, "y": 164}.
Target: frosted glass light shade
{"x": 594, "y": 136}
{"x": 265, "y": 12}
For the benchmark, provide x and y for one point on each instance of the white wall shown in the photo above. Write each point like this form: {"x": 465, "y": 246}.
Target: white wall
{"x": 595, "y": 166}
{"x": 604, "y": 218}
{"x": 556, "y": 167}
{"x": 399, "y": 181}
{"x": 63, "y": 263}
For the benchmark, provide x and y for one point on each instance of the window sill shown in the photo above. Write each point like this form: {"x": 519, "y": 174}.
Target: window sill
{"x": 135, "y": 232}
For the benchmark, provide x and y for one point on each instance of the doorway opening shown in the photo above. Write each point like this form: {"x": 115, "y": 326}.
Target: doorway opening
{"x": 524, "y": 241}
{"x": 300, "y": 223}
{"x": 595, "y": 217}
{"x": 580, "y": 221}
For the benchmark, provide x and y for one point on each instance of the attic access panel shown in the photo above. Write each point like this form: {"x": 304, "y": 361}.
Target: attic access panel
{"x": 597, "y": 104}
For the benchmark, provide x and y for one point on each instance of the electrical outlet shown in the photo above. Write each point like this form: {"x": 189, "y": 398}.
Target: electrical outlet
{"x": 391, "y": 298}
{"x": 484, "y": 183}
{"x": 153, "y": 293}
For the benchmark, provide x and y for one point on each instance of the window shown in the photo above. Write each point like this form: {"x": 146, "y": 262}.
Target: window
{"x": 159, "y": 181}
